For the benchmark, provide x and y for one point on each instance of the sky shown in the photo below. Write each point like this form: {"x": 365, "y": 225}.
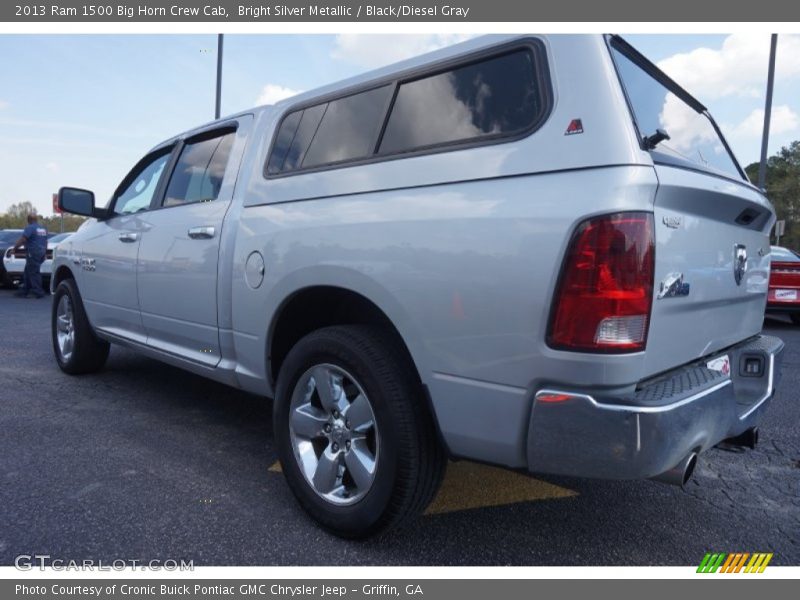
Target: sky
{"x": 80, "y": 110}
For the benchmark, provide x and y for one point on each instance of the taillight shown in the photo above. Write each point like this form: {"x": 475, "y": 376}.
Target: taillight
{"x": 604, "y": 295}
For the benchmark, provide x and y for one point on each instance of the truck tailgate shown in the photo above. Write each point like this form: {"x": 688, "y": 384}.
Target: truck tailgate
{"x": 712, "y": 266}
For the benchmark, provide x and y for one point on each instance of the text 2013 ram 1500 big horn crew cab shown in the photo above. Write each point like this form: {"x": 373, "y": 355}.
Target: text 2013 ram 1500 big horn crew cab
{"x": 532, "y": 251}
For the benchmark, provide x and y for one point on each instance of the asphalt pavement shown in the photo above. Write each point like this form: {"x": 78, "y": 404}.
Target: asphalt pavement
{"x": 144, "y": 461}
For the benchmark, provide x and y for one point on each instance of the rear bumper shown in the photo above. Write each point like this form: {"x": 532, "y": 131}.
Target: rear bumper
{"x": 783, "y": 305}
{"x": 587, "y": 434}
{"x": 783, "y": 308}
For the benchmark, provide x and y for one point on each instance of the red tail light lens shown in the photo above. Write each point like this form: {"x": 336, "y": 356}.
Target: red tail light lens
{"x": 604, "y": 296}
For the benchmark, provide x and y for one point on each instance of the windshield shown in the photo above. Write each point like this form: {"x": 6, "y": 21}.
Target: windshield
{"x": 692, "y": 134}
{"x": 59, "y": 238}
{"x": 10, "y": 235}
{"x": 784, "y": 255}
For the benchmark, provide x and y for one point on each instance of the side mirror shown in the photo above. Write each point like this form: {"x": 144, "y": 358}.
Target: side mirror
{"x": 76, "y": 201}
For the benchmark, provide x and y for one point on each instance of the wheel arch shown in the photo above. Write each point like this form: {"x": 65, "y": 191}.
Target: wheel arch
{"x": 313, "y": 307}
{"x": 61, "y": 273}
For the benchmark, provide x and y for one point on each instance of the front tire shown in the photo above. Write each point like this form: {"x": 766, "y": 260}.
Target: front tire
{"x": 77, "y": 349}
{"x": 355, "y": 438}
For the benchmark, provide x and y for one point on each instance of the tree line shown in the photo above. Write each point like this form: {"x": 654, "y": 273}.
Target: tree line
{"x": 783, "y": 190}
{"x": 16, "y": 218}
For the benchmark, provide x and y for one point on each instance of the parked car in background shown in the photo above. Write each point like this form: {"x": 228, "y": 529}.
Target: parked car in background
{"x": 784, "y": 284}
{"x": 14, "y": 262}
{"x": 531, "y": 251}
{"x": 7, "y": 239}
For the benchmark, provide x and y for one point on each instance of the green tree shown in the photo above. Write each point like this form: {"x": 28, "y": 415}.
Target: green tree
{"x": 16, "y": 218}
{"x": 783, "y": 190}
{"x": 19, "y": 211}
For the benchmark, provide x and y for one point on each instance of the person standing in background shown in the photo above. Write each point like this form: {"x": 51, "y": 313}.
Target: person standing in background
{"x": 34, "y": 238}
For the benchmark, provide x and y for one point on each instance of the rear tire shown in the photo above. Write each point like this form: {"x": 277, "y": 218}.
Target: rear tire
{"x": 78, "y": 350}
{"x": 347, "y": 397}
{"x": 795, "y": 319}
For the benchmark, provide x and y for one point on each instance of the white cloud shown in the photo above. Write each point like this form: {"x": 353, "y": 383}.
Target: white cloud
{"x": 371, "y": 51}
{"x": 272, "y": 93}
{"x": 782, "y": 120}
{"x": 52, "y": 167}
{"x": 738, "y": 68}
{"x": 4, "y": 104}
{"x": 687, "y": 129}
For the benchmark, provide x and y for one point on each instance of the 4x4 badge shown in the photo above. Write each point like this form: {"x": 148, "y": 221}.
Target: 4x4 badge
{"x": 673, "y": 222}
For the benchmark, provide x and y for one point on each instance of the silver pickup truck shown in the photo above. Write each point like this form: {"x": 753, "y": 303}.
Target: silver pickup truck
{"x": 533, "y": 251}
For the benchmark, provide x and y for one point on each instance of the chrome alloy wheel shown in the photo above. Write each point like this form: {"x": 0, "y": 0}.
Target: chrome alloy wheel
{"x": 334, "y": 434}
{"x": 65, "y": 327}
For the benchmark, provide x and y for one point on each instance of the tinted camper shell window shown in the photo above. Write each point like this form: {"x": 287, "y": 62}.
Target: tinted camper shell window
{"x": 483, "y": 98}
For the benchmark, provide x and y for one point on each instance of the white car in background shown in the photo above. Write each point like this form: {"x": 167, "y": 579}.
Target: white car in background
{"x": 14, "y": 262}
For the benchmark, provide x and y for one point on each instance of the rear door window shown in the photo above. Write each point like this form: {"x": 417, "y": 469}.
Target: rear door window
{"x": 199, "y": 172}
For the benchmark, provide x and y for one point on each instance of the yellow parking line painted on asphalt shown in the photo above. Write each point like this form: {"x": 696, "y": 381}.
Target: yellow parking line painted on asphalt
{"x": 469, "y": 485}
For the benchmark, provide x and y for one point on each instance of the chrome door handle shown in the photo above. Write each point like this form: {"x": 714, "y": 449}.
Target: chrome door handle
{"x": 128, "y": 237}
{"x": 201, "y": 233}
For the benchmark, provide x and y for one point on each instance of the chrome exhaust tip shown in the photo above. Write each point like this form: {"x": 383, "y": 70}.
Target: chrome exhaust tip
{"x": 681, "y": 473}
